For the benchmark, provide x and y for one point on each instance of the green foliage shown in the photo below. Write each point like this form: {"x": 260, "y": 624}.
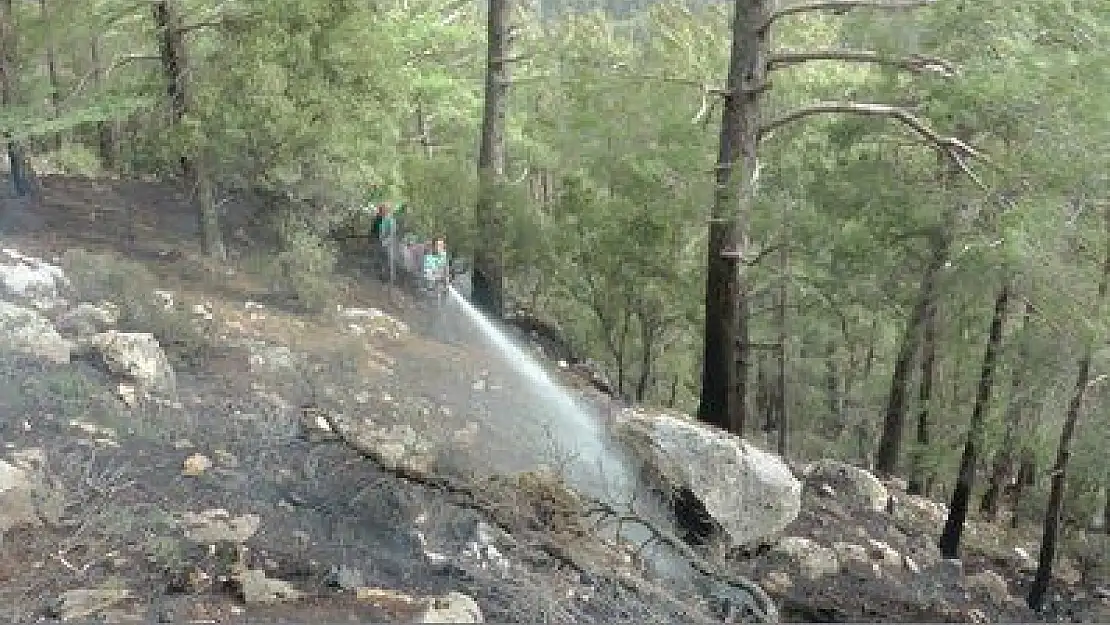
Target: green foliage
{"x": 610, "y": 178}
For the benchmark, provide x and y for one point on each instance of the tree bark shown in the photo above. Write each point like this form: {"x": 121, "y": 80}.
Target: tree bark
{"x": 725, "y": 348}
{"x": 487, "y": 278}
{"x": 22, "y": 174}
{"x": 194, "y": 159}
{"x": 961, "y": 496}
{"x": 1051, "y": 532}
{"x": 51, "y": 68}
{"x": 918, "y": 477}
{"x": 890, "y": 443}
{"x": 834, "y": 394}
{"x": 780, "y": 321}
{"x": 107, "y": 146}
{"x": 1002, "y": 469}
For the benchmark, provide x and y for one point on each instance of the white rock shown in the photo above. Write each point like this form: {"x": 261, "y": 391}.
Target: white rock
{"x": 454, "y": 607}
{"x": 134, "y": 356}
{"x": 750, "y": 492}
{"x": 27, "y": 331}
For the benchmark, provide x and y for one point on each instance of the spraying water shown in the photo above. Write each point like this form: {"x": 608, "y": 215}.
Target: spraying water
{"x": 600, "y": 468}
{"x": 597, "y": 466}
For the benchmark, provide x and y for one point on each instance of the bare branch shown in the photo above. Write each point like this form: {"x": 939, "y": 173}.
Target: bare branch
{"x": 472, "y": 498}
{"x": 762, "y": 605}
{"x": 840, "y": 6}
{"x": 914, "y": 63}
{"x": 116, "y": 64}
{"x": 951, "y": 144}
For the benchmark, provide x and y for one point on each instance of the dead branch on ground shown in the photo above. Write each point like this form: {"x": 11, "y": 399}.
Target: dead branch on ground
{"x": 473, "y": 498}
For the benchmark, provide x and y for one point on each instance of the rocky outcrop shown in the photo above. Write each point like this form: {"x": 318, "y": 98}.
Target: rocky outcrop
{"x": 26, "y": 331}
{"x": 850, "y": 485}
{"x": 24, "y": 492}
{"x": 750, "y": 493}
{"x": 132, "y": 357}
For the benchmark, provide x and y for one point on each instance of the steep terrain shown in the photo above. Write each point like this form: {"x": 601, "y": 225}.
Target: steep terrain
{"x": 253, "y": 375}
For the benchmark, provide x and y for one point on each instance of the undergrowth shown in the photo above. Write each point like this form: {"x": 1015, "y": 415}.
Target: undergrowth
{"x": 186, "y": 338}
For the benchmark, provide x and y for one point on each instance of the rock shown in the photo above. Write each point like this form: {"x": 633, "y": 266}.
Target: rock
{"x": 345, "y": 577}
{"x": 990, "y": 584}
{"x": 813, "y": 560}
{"x": 217, "y": 525}
{"x": 88, "y": 319}
{"x": 19, "y": 492}
{"x": 128, "y": 394}
{"x": 256, "y": 587}
{"x": 398, "y": 447}
{"x": 27, "y": 331}
{"x": 454, "y": 607}
{"x": 312, "y": 426}
{"x": 854, "y": 558}
{"x": 885, "y": 556}
{"x": 133, "y": 356}
{"x": 777, "y": 583}
{"x": 31, "y": 281}
{"x": 919, "y": 514}
{"x": 195, "y": 465}
{"x": 751, "y": 493}
{"x": 852, "y": 484}
{"x": 85, "y": 602}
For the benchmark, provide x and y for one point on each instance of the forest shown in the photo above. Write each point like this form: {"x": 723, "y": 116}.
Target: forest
{"x": 871, "y": 229}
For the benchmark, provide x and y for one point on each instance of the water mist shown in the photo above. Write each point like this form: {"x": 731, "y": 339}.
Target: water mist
{"x": 598, "y": 466}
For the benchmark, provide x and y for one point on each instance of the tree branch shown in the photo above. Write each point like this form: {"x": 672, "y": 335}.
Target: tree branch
{"x": 914, "y": 63}
{"x": 953, "y": 145}
{"x": 472, "y": 498}
{"x": 840, "y": 6}
{"x": 116, "y": 64}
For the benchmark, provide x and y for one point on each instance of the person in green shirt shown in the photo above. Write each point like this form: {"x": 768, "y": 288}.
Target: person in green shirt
{"x": 436, "y": 265}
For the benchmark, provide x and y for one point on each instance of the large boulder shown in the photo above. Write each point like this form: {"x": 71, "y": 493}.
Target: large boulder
{"x": 852, "y": 485}
{"x": 25, "y": 497}
{"x": 134, "y": 357}
{"x": 750, "y": 493}
{"x": 32, "y": 281}
{"x": 26, "y": 331}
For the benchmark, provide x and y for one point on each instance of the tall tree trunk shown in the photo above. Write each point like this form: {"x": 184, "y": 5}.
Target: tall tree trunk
{"x": 890, "y": 443}
{"x": 105, "y": 130}
{"x": 51, "y": 68}
{"x": 648, "y": 335}
{"x": 20, "y": 166}
{"x": 1050, "y": 535}
{"x": 726, "y": 349}
{"x": 961, "y": 495}
{"x": 487, "y": 278}
{"x": 834, "y": 394}
{"x": 1026, "y": 478}
{"x": 780, "y": 321}
{"x": 1002, "y": 468}
{"x": 764, "y": 395}
{"x": 194, "y": 163}
{"x": 918, "y": 477}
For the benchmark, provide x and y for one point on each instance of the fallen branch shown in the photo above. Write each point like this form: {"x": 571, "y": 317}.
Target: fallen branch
{"x": 762, "y": 606}
{"x": 473, "y": 499}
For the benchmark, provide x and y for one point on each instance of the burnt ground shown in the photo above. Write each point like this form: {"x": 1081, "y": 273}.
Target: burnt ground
{"x": 322, "y": 507}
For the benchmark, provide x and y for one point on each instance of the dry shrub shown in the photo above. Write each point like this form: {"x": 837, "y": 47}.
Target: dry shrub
{"x": 186, "y": 339}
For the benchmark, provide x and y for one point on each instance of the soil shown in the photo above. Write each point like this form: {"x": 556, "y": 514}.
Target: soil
{"x": 322, "y": 507}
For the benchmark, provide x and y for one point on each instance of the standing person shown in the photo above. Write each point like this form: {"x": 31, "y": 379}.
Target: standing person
{"x": 387, "y": 244}
{"x": 436, "y": 281}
